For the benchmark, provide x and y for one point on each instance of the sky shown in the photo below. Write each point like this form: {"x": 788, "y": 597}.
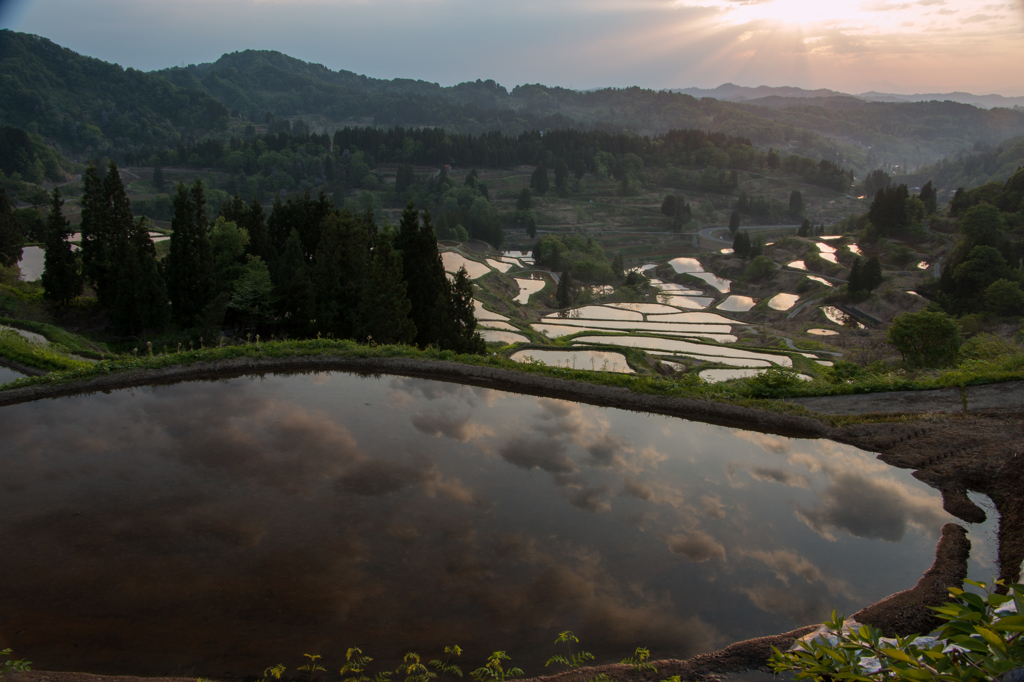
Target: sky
{"x": 918, "y": 46}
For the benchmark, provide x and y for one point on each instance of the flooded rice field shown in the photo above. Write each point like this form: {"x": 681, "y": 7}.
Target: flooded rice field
{"x": 528, "y": 287}
{"x": 691, "y": 302}
{"x": 453, "y": 261}
{"x": 31, "y": 263}
{"x": 783, "y": 301}
{"x": 594, "y": 360}
{"x": 736, "y": 304}
{"x": 216, "y": 528}
{"x": 820, "y": 280}
{"x": 7, "y": 374}
{"x": 689, "y": 348}
{"x": 836, "y": 315}
{"x": 494, "y": 335}
{"x": 823, "y": 332}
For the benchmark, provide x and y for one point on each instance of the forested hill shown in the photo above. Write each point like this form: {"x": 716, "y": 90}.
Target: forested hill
{"x": 81, "y": 103}
{"x": 867, "y": 134}
{"x": 89, "y": 107}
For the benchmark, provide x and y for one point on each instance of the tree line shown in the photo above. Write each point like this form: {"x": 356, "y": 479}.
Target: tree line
{"x": 305, "y": 269}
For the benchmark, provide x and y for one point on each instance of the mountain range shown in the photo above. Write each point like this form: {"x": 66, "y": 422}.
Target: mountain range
{"x": 739, "y": 93}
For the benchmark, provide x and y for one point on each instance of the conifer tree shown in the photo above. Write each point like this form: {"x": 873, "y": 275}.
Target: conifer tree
{"x": 190, "y": 262}
{"x": 158, "y": 178}
{"x": 93, "y": 228}
{"x": 422, "y": 271}
{"x": 140, "y": 302}
{"x": 457, "y": 321}
{"x": 386, "y": 306}
{"x": 741, "y": 244}
{"x": 734, "y": 222}
{"x": 340, "y": 274}
{"x": 539, "y": 179}
{"x": 12, "y": 237}
{"x": 295, "y": 286}
{"x": 61, "y": 280}
{"x": 563, "y": 295}
{"x": 561, "y": 176}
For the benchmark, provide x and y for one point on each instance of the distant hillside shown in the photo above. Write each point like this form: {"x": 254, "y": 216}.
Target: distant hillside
{"x": 89, "y": 107}
{"x": 81, "y": 103}
{"x": 967, "y": 169}
{"x": 739, "y": 93}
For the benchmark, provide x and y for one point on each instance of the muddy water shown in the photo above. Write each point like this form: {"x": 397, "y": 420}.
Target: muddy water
{"x": 216, "y": 528}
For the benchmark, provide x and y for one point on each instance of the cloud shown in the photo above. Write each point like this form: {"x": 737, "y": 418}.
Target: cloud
{"x": 634, "y": 488}
{"x": 801, "y": 606}
{"x": 978, "y": 18}
{"x": 784, "y": 562}
{"x": 591, "y": 499}
{"x": 872, "y": 508}
{"x": 698, "y": 547}
{"x": 376, "y": 478}
{"x": 538, "y": 453}
{"x": 780, "y": 476}
{"x": 777, "y": 445}
{"x": 712, "y": 507}
{"x": 462, "y": 429}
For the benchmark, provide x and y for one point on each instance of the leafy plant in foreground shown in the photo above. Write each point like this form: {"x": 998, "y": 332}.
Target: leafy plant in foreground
{"x": 12, "y": 665}
{"x": 446, "y": 666}
{"x": 574, "y": 660}
{"x": 640, "y": 660}
{"x": 312, "y": 667}
{"x": 981, "y": 640}
{"x": 414, "y": 670}
{"x": 355, "y": 665}
{"x": 493, "y": 670}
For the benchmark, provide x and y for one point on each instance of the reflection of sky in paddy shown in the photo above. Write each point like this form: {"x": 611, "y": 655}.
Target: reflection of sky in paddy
{"x": 216, "y": 527}
{"x": 783, "y": 301}
{"x": 497, "y": 336}
{"x": 31, "y": 263}
{"x": 7, "y": 374}
{"x": 527, "y": 288}
{"x": 453, "y": 261}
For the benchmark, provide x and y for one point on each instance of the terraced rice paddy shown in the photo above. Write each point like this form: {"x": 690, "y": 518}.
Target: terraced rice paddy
{"x": 699, "y": 351}
{"x": 496, "y": 336}
{"x": 783, "y": 301}
{"x": 736, "y": 304}
{"x": 577, "y": 359}
{"x": 453, "y": 261}
{"x": 527, "y": 288}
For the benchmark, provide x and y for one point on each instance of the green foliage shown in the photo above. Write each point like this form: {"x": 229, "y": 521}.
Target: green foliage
{"x": 312, "y": 667}
{"x": 446, "y": 666}
{"x": 51, "y": 357}
{"x": 773, "y": 382}
{"x": 494, "y": 670}
{"x": 980, "y": 640}
{"x": 62, "y": 281}
{"x": 575, "y": 659}
{"x": 413, "y": 670}
{"x": 12, "y": 235}
{"x": 760, "y": 268}
{"x": 13, "y": 665}
{"x": 1004, "y": 297}
{"x": 925, "y": 339}
{"x": 639, "y": 662}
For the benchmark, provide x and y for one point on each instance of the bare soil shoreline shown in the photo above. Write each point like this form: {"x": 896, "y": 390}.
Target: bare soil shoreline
{"x": 953, "y": 453}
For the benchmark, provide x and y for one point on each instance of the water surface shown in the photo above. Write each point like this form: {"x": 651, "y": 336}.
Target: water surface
{"x": 216, "y": 528}
{"x": 31, "y": 263}
{"x": 7, "y": 374}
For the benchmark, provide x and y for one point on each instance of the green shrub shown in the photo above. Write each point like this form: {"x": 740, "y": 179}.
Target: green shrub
{"x": 980, "y": 641}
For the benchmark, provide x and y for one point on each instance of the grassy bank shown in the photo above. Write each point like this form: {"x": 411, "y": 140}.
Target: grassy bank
{"x": 762, "y": 391}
